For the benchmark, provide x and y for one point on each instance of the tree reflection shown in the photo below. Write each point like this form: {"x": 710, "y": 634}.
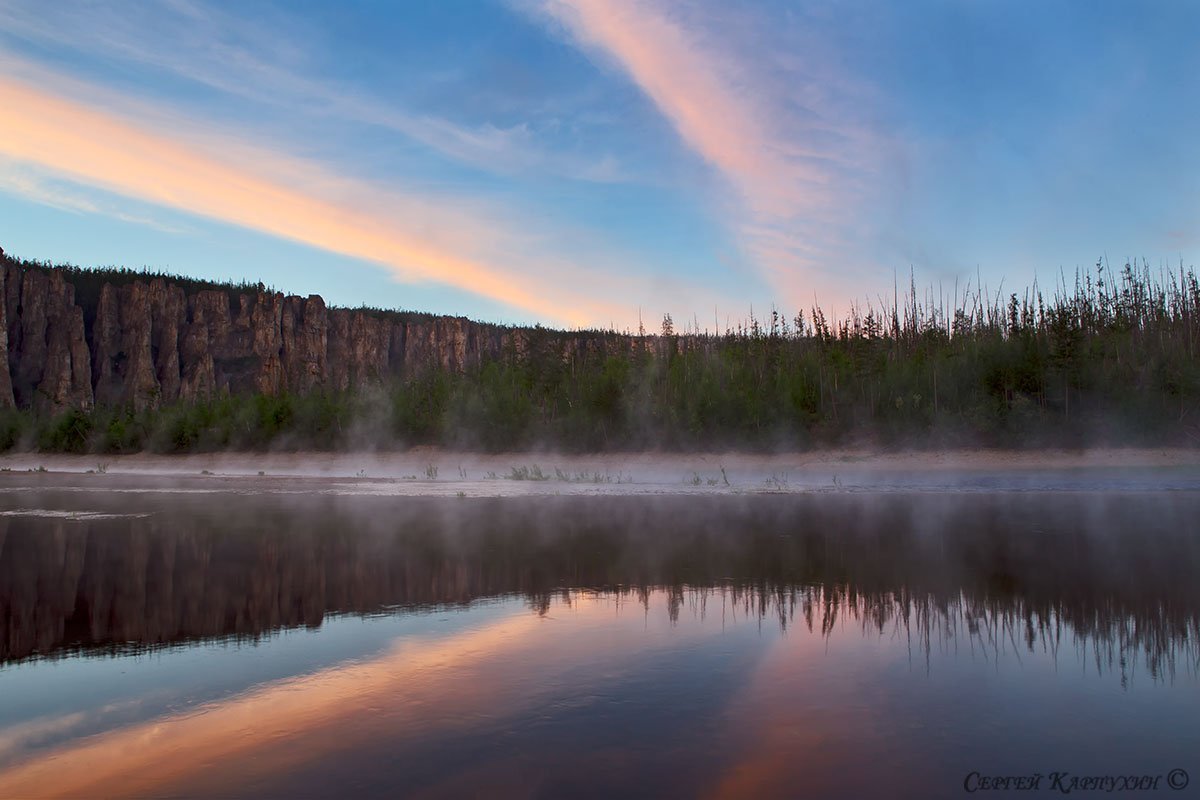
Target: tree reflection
{"x": 1105, "y": 577}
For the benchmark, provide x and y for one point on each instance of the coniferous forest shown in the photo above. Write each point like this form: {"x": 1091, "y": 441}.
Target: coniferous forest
{"x": 1108, "y": 357}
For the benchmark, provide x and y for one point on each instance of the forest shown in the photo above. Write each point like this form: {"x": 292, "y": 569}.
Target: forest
{"x": 1108, "y": 357}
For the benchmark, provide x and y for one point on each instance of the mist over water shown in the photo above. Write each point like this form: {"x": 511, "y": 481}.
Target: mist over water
{"x": 867, "y": 636}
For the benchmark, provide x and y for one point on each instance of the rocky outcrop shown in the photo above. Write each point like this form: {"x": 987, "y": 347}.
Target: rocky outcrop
{"x": 149, "y": 341}
{"x": 304, "y": 332}
{"x": 6, "y": 387}
{"x": 49, "y": 359}
{"x": 360, "y": 349}
{"x": 135, "y": 341}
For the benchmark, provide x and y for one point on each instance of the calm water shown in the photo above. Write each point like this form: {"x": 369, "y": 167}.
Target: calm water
{"x": 211, "y": 639}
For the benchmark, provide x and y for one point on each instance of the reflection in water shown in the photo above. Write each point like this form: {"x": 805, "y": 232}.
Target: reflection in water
{"x": 1111, "y": 572}
{"x": 142, "y": 757}
{"x": 746, "y": 642}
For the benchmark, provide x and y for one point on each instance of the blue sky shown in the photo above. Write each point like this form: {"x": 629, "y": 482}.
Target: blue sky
{"x": 578, "y": 162}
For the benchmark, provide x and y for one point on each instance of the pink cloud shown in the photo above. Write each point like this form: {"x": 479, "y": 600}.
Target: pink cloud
{"x": 769, "y": 125}
{"x": 148, "y": 156}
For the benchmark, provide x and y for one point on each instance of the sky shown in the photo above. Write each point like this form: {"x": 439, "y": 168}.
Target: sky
{"x": 593, "y": 163}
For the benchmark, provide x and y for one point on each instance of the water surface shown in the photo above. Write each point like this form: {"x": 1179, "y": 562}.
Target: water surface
{"x": 297, "y": 639}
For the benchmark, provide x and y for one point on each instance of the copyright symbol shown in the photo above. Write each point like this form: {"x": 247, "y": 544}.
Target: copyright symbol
{"x": 1178, "y": 779}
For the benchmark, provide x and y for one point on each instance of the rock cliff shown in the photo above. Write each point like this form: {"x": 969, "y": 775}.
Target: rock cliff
{"x": 143, "y": 341}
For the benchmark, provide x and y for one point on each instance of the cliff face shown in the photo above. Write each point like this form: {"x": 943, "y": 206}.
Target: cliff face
{"x": 49, "y": 363}
{"x": 148, "y": 342}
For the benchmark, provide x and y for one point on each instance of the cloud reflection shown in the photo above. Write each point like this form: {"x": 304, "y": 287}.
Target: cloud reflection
{"x": 421, "y": 689}
{"x": 273, "y": 725}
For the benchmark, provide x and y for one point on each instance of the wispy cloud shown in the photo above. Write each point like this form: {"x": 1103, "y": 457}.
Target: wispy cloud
{"x": 418, "y": 237}
{"x": 772, "y": 125}
{"x": 263, "y": 62}
{"x": 24, "y": 181}
{"x": 238, "y": 120}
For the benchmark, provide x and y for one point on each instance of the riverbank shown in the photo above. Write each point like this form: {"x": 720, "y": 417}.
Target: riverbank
{"x": 418, "y": 461}
{"x": 432, "y": 471}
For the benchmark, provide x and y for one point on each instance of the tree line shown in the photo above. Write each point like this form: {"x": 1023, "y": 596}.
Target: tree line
{"x": 1106, "y": 358}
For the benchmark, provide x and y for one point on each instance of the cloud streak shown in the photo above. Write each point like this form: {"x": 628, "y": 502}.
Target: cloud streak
{"x": 775, "y": 134}
{"x": 292, "y": 199}
{"x": 26, "y": 183}
{"x": 260, "y": 63}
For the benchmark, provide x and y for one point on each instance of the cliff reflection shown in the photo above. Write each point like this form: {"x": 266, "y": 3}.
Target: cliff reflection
{"x": 1111, "y": 574}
